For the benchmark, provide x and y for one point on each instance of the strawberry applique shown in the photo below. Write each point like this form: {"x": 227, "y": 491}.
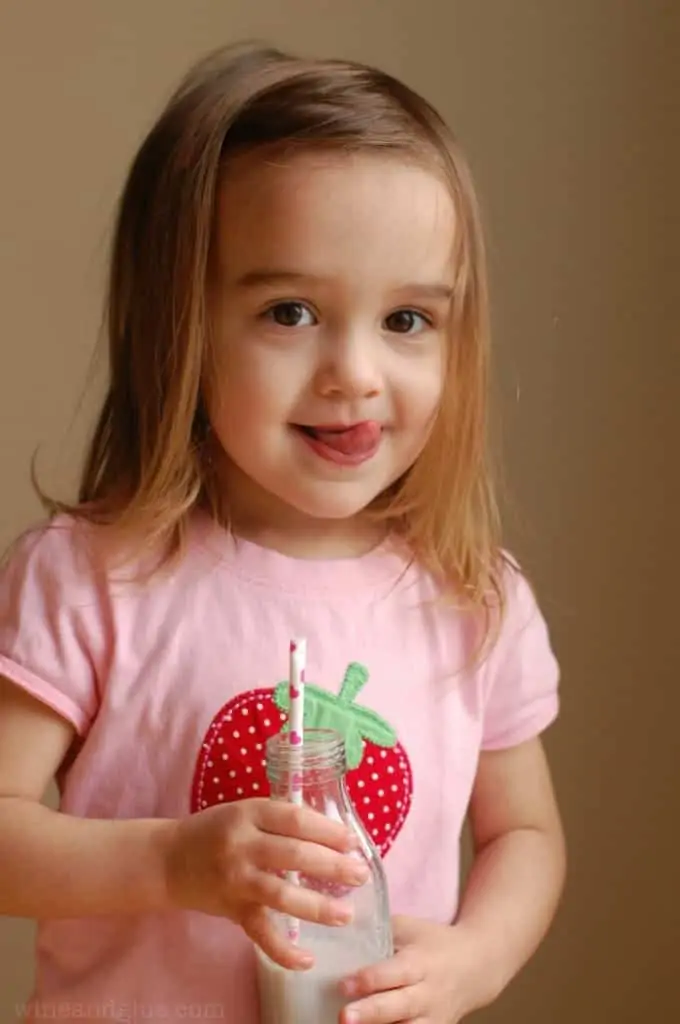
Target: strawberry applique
{"x": 232, "y": 762}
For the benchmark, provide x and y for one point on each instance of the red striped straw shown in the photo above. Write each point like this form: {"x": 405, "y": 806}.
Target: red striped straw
{"x": 296, "y": 677}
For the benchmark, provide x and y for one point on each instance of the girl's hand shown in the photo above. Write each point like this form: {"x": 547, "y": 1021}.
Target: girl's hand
{"x": 231, "y": 861}
{"x": 434, "y": 978}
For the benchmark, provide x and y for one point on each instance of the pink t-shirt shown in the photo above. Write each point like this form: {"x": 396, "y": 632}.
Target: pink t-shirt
{"x": 171, "y": 685}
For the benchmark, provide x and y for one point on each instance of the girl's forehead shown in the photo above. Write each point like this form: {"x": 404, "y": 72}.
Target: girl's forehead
{"x": 334, "y": 215}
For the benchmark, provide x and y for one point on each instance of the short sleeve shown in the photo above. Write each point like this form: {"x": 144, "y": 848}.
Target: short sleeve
{"x": 49, "y": 632}
{"x": 522, "y": 674}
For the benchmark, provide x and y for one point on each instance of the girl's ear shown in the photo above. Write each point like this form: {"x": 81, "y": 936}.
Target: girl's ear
{"x": 202, "y": 424}
{"x": 202, "y": 435}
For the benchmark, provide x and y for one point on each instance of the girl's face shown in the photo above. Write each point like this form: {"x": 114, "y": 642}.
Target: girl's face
{"x": 331, "y": 306}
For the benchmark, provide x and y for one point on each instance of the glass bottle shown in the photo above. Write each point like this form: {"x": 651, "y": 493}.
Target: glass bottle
{"x": 313, "y": 996}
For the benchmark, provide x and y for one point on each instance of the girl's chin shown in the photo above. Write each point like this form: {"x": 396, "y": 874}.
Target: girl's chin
{"x": 330, "y": 507}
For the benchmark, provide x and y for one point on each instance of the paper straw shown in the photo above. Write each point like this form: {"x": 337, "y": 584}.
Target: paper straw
{"x": 296, "y": 676}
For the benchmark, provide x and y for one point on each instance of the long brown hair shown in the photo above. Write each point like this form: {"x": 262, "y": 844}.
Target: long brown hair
{"x": 145, "y": 468}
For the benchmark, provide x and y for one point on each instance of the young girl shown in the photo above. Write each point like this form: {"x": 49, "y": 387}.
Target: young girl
{"x": 292, "y": 443}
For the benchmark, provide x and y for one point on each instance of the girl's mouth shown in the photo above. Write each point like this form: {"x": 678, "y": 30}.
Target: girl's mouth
{"x": 344, "y": 444}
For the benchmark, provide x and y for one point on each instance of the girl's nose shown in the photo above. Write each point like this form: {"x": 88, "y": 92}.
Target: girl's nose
{"x": 349, "y": 367}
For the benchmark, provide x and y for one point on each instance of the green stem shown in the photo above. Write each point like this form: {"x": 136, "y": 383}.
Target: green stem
{"x": 356, "y": 677}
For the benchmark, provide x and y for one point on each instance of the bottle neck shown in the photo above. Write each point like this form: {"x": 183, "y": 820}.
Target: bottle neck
{"x": 319, "y": 762}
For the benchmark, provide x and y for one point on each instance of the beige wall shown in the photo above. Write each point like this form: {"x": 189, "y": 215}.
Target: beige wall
{"x": 566, "y": 110}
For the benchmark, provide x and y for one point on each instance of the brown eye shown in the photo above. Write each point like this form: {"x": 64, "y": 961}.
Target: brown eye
{"x": 290, "y": 314}
{"x": 406, "y": 321}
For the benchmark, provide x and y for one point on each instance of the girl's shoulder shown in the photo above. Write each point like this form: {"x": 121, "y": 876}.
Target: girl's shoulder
{"x": 521, "y": 670}
{"x": 519, "y": 600}
{"x": 510, "y": 606}
{"x": 52, "y": 630}
{"x": 65, "y": 551}
{"x": 61, "y": 545}
{"x": 77, "y": 552}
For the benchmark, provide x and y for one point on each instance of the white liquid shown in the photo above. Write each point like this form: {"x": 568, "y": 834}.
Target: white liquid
{"x": 313, "y": 996}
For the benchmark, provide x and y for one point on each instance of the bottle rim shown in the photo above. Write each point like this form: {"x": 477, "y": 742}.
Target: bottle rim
{"x": 321, "y": 750}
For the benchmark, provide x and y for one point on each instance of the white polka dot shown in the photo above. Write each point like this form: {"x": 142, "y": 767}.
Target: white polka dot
{"x": 259, "y": 707}
{"x": 390, "y": 770}
{"x": 402, "y": 765}
{"x": 258, "y": 746}
{"x": 282, "y": 717}
{"x": 386, "y": 809}
{"x": 227, "y": 718}
{"x": 388, "y": 827}
{"x": 367, "y": 799}
{"x": 220, "y": 740}
{"x": 361, "y": 783}
{"x": 248, "y": 769}
{"x": 243, "y": 751}
{"x": 399, "y": 803}
{"x": 375, "y": 776}
{"x": 374, "y": 832}
{"x": 256, "y": 785}
{"x": 210, "y": 764}
{"x": 204, "y": 803}
{"x": 216, "y": 779}
{"x": 263, "y": 763}
{"x": 220, "y": 796}
{"x": 232, "y": 774}
{"x": 395, "y": 789}
{"x": 383, "y": 753}
{"x": 239, "y": 792}
{"x": 371, "y": 816}
{"x": 244, "y": 711}
{"x": 267, "y": 722}
{"x": 225, "y": 757}
{"x": 369, "y": 760}
{"x": 381, "y": 792}
{"x": 236, "y": 734}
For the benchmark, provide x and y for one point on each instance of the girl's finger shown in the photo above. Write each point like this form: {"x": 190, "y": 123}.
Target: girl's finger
{"x": 297, "y": 901}
{"x": 399, "y": 971}
{"x": 258, "y": 926}
{"x": 394, "y": 1007}
{"x": 281, "y": 853}
{"x": 279, "y": 817}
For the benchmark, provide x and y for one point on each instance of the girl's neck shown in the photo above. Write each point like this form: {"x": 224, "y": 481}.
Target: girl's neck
{"x": 312, "y": 538}
{"x": 271, "y": 523}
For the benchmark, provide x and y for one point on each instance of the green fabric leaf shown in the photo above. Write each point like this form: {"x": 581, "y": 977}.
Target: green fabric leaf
{"x": 356, "y": 677}
{"x": 324, "y": 710}
{"x": 374, "y": 728}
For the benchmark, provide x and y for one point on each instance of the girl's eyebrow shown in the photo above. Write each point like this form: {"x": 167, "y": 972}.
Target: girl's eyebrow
{"x": 258, "y": 278}
{"x": 262, "y": 278}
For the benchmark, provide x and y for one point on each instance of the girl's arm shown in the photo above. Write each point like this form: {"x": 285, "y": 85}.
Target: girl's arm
{"x": 520, "y": 860}
{"x": 230, "y": 860}
{"x": 52, "y": 864}
{"x": 443, "y": 972}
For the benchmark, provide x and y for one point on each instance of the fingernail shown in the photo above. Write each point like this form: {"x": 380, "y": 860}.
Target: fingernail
{"x": 352, "y": 1016}
{"x": 306, "y": 962}
{"x": 349, "y": 987}
{"x": 360, "y": 873}
{"x": 341, "y": 914}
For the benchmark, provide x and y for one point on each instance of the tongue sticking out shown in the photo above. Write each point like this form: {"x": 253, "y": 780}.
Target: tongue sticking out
{"x": 356, "y": 440}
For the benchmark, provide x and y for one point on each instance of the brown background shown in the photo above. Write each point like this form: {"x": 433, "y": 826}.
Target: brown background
{"x": 566, "y": 110}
